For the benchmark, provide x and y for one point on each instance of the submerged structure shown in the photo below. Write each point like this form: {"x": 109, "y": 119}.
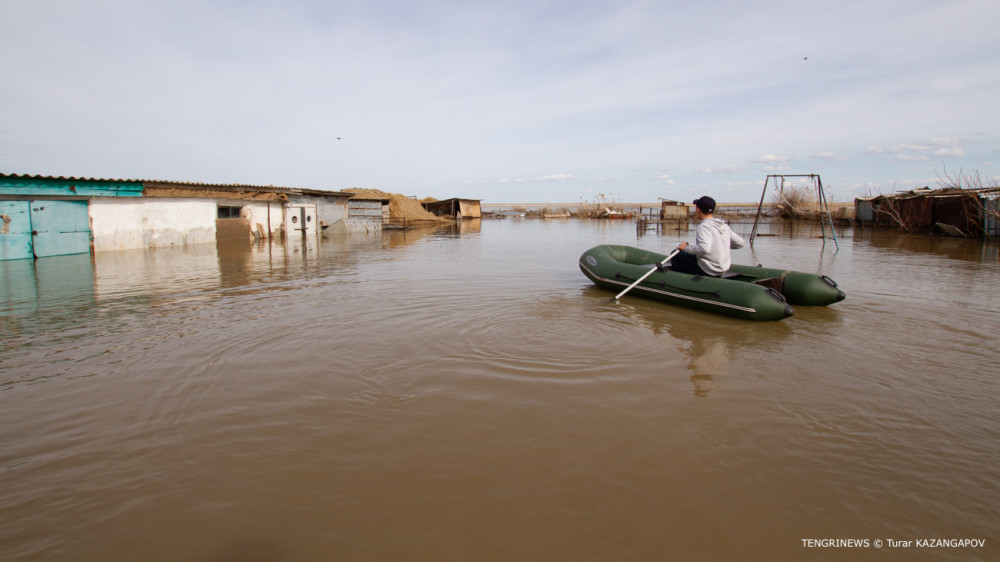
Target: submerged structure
{"x": 455, "y": 208}
{"x": 44, "y": 216}
{"x": 952, "y": 210}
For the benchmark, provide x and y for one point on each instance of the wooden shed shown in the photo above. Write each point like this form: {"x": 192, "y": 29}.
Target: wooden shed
{"x": 673, "y": 210}
{"x": 967, "y": 212}
{"x": 455, "y": 208}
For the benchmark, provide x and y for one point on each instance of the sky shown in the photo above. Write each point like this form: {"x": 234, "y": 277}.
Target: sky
{"x": 505, "y": 101}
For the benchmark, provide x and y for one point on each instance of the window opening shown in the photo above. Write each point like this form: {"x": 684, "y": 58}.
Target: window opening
{"x": 229, "y": 212}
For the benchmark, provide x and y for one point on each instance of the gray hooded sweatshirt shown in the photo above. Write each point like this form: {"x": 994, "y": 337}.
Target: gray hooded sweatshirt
{"x": 712, "y": 243}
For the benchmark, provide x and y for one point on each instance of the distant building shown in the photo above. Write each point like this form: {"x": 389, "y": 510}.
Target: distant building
{"x": 455, "y": 208}
{"x": 673, "y": 210}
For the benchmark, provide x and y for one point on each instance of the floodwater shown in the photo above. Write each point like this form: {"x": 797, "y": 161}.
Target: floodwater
{"x": 467, "y": 394}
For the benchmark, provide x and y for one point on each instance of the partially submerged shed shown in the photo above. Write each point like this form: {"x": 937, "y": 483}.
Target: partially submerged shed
{"x": 455, "y": 208}
{"x": 956, "y": 211}
{"x": 673, "y": 210}
{"x": 42, "y": 216}
{"x": 365, "y": 213}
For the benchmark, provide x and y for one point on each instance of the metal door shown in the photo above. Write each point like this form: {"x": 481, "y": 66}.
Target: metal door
{"x": 15, "y": 230}
{"x": 300, "y": 220}
{"x": 59, "y": 228}
{"x": 43, "y": 228}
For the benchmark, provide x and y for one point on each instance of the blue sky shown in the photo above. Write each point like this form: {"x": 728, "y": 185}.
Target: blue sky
{"x": 504, "y": 101}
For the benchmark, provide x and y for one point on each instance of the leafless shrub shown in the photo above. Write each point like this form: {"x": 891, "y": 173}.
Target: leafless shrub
{"x": 793, "y": 201}
{"x": 601, "y": 203}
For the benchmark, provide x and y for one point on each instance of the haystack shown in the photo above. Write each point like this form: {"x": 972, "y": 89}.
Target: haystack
{"x": 401, "y": 206}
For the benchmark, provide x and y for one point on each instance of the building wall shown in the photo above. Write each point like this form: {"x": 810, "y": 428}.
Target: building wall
{"x": 124, "y": 224}
{"x": 268, "y": 214}
{"x": 469, "y": 209}
{"x": 127, "y": 224}
{"x": 991, "y": 215}
{"x": 671, "y": 210}
{"x": 864, "y": 210}
{"x": 369, "y": 212}
{"x": 329, "y": 209}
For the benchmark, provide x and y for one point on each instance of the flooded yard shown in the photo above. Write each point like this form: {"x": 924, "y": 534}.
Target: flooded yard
{"x": 465, "y": 393}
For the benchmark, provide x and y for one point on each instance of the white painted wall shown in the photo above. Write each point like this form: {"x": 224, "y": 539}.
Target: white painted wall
{"x": 125, "y": 223}
{"x": 257, "y": 212}
{"x": 121, "y": 223}
{"x": 328, "y": 209}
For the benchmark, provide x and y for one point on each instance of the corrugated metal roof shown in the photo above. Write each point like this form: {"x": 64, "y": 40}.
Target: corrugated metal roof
{"x": 173, "y": 183}
{"x": 944, "y": 192}
{"x": 66, "y": 178}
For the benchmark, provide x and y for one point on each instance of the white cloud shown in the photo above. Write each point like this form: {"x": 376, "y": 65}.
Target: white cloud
{"x": 949, "y": 153}
{"x": 666, "y": 178}
{"x": 923, "y": 145}
{"x": 912, "y": 146}
{"x": 775, "y": 169}
{"x": 909, "y": 158}
{"x": 768, "y": 159}
{"x": 829, "y": 157}
{"x": 721, "y": 169}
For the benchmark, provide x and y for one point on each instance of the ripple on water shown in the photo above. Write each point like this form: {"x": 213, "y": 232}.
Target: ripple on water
{"x": 447, "y": 390}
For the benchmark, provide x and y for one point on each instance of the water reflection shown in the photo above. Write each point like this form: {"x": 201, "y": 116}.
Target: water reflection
{"x": 777, "y": 254}
{"x": 966, "y": 249}
{"x": 482, "y": 387}
{"x": 470, "y": 226}
{"x": 186, "y": 272}
{"x": 712, "y": 345}
{"x": 58, "y": 288}
{"x": 794, "y": 229}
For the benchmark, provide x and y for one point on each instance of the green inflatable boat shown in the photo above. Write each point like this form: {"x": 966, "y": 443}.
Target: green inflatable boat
{"x": 752, "y": 293}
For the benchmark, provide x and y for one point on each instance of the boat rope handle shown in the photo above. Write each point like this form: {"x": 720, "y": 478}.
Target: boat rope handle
{"x": 664, "y": 285}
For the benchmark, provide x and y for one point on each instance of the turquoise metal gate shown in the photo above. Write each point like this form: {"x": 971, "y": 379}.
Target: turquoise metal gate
{"x": 15, "y": 230}
{"x": 43, "y": 228}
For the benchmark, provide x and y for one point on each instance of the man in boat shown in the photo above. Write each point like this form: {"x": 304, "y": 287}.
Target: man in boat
{"x": 709, "y": 255}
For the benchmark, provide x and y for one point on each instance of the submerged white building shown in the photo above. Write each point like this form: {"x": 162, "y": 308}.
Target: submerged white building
{"x": 44, "y": 215}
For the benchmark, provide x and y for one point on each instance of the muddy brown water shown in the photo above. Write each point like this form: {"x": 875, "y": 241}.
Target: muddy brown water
{"x": 467, "y": 394}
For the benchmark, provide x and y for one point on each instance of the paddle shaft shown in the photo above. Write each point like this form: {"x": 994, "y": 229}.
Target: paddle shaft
{"x": 648, "y": 273}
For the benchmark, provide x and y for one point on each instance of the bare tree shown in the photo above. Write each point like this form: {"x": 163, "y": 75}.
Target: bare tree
{"x": 983, "y": 193}
{"x": 884, "y": 205}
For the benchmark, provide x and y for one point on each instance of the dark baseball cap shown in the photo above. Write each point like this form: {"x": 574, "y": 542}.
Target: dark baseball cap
{"x": 706, "y": 204}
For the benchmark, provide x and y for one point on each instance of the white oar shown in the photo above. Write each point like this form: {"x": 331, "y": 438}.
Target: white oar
{"x": 648, "y": 273}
